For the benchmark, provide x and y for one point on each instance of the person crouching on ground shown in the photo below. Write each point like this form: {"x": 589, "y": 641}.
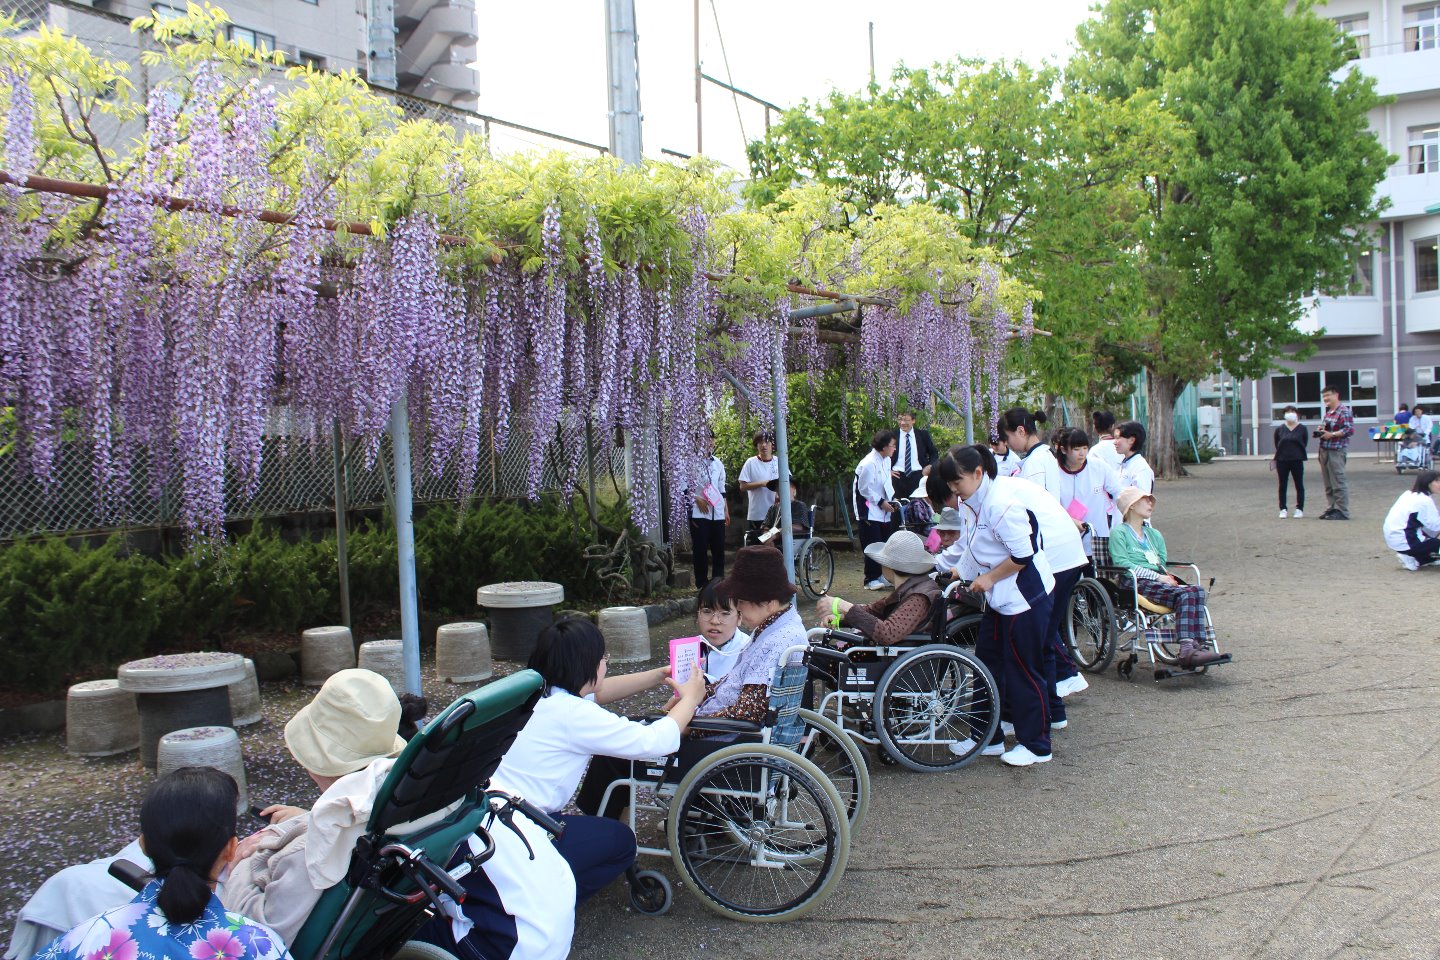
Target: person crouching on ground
{"x": 906, "y": 609}
{"x": 1137, "y": 546}
{"x": 1413, "y": 524}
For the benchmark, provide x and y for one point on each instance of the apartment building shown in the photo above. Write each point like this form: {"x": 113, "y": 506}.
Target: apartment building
{"x": 434, "y": 40}
{"x": 1381, "y": 336}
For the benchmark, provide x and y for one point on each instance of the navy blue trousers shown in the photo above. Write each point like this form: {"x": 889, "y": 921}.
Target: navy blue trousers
{"x": 596, "y": 849}
{"x": 1013, "y": 647}
{"x": 1058, "y": 665}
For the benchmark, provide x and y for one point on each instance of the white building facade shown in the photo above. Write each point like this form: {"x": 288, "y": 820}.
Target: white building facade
{"x": 1381, "y": 338}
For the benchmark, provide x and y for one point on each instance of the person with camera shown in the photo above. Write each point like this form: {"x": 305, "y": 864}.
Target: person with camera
{"x": 1334, "y": 434}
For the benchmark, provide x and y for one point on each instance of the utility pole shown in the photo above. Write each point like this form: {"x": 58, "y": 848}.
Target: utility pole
{"x": 381, "y": 29}
{"x": 699, "y": 89}
{"x": 623, "y": 60}
{"x": 872, "y": 53}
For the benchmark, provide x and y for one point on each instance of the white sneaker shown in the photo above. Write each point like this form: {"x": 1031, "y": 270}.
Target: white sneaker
{"x": 1074, "y": 684}
{"x": 993, "y": 750}
{"x": 1284, "y": 514}
{"x": 1020, "y": 756}
{"x": 1007, "y": 728}
{"x": 963, "y": 748}
{"x": 878, "y": 583}
{"x": 1299, "y": 514}
{"x": 1059, "y": 724}
{"x": 1408, "y": 562}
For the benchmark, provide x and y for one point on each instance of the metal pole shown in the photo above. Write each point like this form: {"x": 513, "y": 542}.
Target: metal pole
{"x": 405, "y": 543}
{"x": 782, "y": 453}
{"x": 342, "y": 507}
{"x": 624, "y": 66}
{"x": 872, "y": 53}
{"x": 970, "y": 411}
{"x": 380, "y": 29}
{"x": 699, "y": 87}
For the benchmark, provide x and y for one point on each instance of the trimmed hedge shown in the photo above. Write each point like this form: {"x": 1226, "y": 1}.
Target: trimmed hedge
{"x": 68, "y": 613}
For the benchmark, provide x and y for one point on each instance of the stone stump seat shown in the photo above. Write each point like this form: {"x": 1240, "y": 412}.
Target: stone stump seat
{"x": 462, "y": 653}
{"x": 627, "y": 633}
{"x": 518, "y": 612}
{"x": 176, "y": 691}
{"x": 100, "y": 719}
{"x": 325, "y": 651}
{"x": 387, "y": 658}
{"x": 245, "y": 697}
{"x": 209, "y": 746}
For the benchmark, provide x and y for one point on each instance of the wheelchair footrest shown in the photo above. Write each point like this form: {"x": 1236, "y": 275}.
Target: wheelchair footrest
{"x": 1171, "y": 673}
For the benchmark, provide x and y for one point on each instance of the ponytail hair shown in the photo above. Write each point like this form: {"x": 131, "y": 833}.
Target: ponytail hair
{"x": 186, "y": 821}
{"x": 1018, "y": 418}
{"x": 1103, "y": 420}
{"x": 1067, "y": 438}
{"x": 937, "y": 488}
{"x": 965, "y": 460}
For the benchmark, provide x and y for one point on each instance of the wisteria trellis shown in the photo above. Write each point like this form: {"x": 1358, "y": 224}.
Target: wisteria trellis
{"x": 176, "y": 335}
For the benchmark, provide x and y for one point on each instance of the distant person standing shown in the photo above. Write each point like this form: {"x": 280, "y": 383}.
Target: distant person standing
{"x": 1423, "y": 424}
{"x": 1104, "y": 447}
{"x": 1334, "y": 436}
{"x": 757, "y": 473}
{"x": 914, "y": 453}
{"x": 874, "y": 510}
{"x": 709, "y": 516}
{"x": 1291, "y": 439}
{"x": 1006, "y": 463}
{"x": 1021, "y": 430}
{"x": 1135, "y": 470}
{"x": 1403, "y": 416}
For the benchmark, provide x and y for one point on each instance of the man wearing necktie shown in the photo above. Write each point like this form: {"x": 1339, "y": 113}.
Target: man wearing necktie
{"x": 914, "y": 453}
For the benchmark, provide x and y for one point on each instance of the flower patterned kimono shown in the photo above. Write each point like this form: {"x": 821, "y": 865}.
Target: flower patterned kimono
{"x": 140, "y": 931}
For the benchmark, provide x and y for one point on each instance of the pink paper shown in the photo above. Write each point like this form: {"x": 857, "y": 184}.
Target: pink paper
{"x": 712, "y": 496}
{"x": 1077, "y": 510}
{"x": 684, "y": 657}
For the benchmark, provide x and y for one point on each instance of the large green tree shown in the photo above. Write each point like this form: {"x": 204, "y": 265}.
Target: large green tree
{"x": 1263, "y": 197}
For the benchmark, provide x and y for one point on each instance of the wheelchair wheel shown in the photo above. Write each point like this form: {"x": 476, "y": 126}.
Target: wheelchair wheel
{"x": 759, "y": 832}
{"x": 650, "y": 893}
{"x": 420, "y": 950}
{"x": 814, "y": 568}
{"x": 963, "y": 631}
{"x": 1090, "y": 628}
{"x": 841, "y": 760}
{"x": 931, "y": 698}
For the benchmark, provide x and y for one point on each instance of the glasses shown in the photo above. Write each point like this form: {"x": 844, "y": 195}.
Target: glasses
{"x": 713, "y": 613}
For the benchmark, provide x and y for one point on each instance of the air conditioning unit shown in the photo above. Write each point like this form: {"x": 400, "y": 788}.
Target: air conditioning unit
{"x": 1367, "y": 379}
{"x": 289, "y": 51}
{"x": 1424, "y": 376}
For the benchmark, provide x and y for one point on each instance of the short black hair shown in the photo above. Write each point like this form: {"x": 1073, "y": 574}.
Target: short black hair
{"x": 883, "y": 439}
{"x": 1103, "y": 421}
{"x": 762, "y": 436}
{"x": 1331, "y": 388}
{"x": 1068, "y": 438}
{"x": 710, "y": 596}
{"x": 567, "y": 654}
{"x": 1134, "y": 432}
{"x": 966, "y": 459}
{"x": 1423, "y": 479}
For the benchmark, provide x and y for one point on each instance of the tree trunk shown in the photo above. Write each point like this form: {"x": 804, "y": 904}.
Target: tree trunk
{"x": 1160, "y": 447}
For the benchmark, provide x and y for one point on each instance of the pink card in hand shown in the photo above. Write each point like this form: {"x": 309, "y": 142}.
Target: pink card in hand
{"x": 1076, "y": 510}
{"x": 684, "y": 657}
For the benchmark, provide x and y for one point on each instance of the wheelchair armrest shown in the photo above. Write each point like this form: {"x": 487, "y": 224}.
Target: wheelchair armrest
{"x": 725, "y": 725}
{"x": 851, "y": 637}
{"x": 826, "y": 654}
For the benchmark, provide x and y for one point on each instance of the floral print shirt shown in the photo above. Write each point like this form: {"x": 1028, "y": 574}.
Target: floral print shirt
{"x": 140, "y": 931}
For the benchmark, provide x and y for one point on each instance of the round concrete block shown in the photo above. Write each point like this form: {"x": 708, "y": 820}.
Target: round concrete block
{"x": 209, "y": 746}
{"x": 387, "y": 658}
{"x": 245, "y": 697}
{"x": 627, "y": 633}
{"x": 325, "y": 651}
{"x": 462, "y": 653}
{"x": 100, "y": 719}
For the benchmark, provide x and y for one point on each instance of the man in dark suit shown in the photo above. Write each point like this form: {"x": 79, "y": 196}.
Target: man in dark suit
{"x": 914, "y": 454}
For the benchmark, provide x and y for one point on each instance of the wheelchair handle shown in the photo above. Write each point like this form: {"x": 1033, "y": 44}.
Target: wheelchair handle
{"x": 546, "y": 822}
{"x": 129, "y": 874}
{"x": 420, "y": 871}
{"x": 456, "y": 716}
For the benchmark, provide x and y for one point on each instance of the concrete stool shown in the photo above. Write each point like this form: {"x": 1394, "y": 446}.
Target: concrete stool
{"x": 245, "y": 697}
{"x": 325, "y": 651}
{"x": 217, "y": 747}
{"x": 627, "y": 633}
{"x": 180, "y": 690}
{"x": 100, "y": 719}
{"x": 387, "y": 658}
{"x": 518, "y": 612}
{"x": 462, "y": 653}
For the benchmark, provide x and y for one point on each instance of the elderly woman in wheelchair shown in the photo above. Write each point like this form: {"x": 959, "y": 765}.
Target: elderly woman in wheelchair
{"x": 1164, "y": 609}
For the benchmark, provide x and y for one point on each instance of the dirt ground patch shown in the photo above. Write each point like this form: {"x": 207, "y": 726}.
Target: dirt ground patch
{"x": 1282, "y": 806}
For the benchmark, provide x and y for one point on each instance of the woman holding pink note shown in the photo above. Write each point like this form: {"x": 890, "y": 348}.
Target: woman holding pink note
{"x": 1088, "y": 486}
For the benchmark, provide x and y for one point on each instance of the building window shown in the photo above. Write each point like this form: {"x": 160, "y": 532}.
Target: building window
{"x": 1302, "y": 391}
{"x": 1422, "y": 27}
{"x": 1357, "y": 28}
{"x": 254, "y": 39}
{"x": 1362, "y": 277}
{"x": 1425, "y": 149}
{"x": 1430, "y": 390}
{"x": 312, "y": 60}
{"x": 164, "y": 13}
{"x": 1427, "y": 265}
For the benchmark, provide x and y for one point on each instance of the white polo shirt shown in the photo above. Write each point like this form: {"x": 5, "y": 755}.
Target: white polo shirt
{"x": 761, "y": 498}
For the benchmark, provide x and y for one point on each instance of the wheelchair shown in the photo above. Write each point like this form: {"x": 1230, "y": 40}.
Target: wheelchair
{"x": 753, "y": 819}
{"x": 1130, "y": 621}
{"x": 431, "y": 803}
{"x": 814, "y": 561}
{"x": 915, "y": 702}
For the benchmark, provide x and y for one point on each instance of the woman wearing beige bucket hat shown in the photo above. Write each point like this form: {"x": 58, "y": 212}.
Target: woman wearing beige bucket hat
{"x": 1137, "y": 546}
{"x": 903, "y": 560}
{"x": 346, "y": 739}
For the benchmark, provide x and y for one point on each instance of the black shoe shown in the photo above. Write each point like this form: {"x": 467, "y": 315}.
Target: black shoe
{"x": 1339, "y": 516}
{"x": 1328, "y": 514}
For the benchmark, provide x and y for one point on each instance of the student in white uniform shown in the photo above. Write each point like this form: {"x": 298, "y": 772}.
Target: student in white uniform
{"x": 1088, "y": 486}
{"x": 1006, "y": 463}
{"x": 1002, "y": 558}
{"x": 1104, "y": 447}
{"x": 1135, "y": 471}
{"x": 754, "y": 478}
{"x": 1413, "y": 524}
{"x": 1021, "y": 430}
{"x": 524, "y": 905}
{"x": 873, "y": 496}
